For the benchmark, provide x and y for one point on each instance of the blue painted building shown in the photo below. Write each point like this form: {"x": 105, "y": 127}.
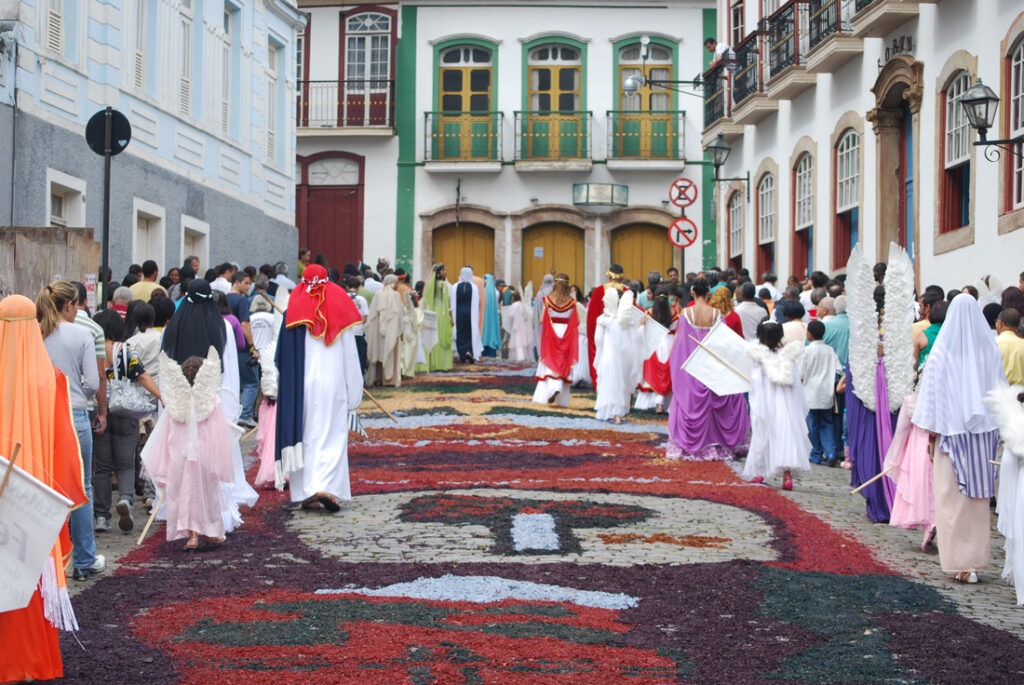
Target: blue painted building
{"x": 209, "y": 89}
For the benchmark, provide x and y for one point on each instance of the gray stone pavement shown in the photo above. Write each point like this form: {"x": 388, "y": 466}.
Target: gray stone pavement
{"x": 824, "y": 492}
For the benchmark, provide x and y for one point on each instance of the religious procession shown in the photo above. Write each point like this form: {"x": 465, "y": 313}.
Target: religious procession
{"x": 918, "y": 395}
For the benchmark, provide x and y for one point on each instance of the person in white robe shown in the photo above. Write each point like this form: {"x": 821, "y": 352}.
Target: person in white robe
{"x": 1006, "y": 405}
{"x": 320, "y": 383}
{"x": 517, "y": 321}
{"x": 614, "y": 361}
{"x": 384, "y": 330}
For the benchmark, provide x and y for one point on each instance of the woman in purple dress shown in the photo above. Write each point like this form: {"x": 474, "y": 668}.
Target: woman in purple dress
{"x": 701, "y": 425}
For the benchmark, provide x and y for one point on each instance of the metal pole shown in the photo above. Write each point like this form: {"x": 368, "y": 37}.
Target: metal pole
{"x": 104, "y": 280}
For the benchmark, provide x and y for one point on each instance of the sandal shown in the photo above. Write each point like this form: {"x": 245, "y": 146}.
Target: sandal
{"x": 214, "y": 542}
{"x": 967, "y": 577}
{"x": 192, "y": 545}
{"x": 311, "y": 504}
{"x": 328, "y": 502}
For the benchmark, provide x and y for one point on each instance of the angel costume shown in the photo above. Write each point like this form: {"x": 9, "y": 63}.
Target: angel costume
{"x": 517, "y": 321}
{"x": 189, "y": 453}
{"x": 778, "y": 411}
{"x": 320, "y": 382}
{"x": 963, "y": 367}
{"x": 614, "y": 359}
{"x": 559, "y": 352}
{"x": 702, "y": 426}
{"x": 267, "y": 426}
{"x": 656, "y": 382}
{"x": 1005, "y": 403}
{"x": 910, "y": 460}
{"x": 581, "y": 372}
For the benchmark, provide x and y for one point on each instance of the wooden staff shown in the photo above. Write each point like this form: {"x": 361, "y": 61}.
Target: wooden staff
{"x": 720, "y": 359}
{"x": 379, "y": 405}
{"x": 873, "y": 479}
{"x": 272, "y": 303}
{"x": 10, "y": 467}
{"x": 152, "y": 517}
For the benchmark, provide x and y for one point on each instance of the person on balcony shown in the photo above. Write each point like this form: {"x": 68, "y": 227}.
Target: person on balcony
{"x": 719, "y": 52}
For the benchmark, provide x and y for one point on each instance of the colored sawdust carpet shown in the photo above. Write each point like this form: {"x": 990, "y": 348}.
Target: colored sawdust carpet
{"x": 490, "y": 540}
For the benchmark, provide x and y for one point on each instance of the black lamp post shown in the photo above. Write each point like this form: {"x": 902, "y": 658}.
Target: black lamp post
{"x": 719, "y": 154}
{"x": 980, "y": 104}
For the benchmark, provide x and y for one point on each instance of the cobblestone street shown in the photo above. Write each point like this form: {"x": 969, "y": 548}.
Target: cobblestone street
{"x": 493, "y": 540}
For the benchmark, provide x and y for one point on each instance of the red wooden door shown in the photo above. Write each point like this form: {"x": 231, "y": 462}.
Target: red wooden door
{"x": 335, "y": 223}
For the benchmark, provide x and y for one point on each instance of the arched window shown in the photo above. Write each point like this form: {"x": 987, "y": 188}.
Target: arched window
{"x": 646, "y": 125}
{"x": 465, "y": 128}
{"x": 803, "y": 214}
{"x": 554, "y": 127}
{"x": 555, "y": 78}
{"x": 955, "y": 191}
{"x": 766, "y": 213}
{"x": 735, "y": 208}
{"x": 1015, "y": 115}
{"x": 465, "y": 80}
{"x": 367, "y": 97}
{"x": 847, "y": 193}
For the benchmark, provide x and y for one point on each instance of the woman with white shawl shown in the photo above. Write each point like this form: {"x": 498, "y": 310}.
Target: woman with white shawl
{"x": 963, "y": 367}
{"x": 466, "y": 314}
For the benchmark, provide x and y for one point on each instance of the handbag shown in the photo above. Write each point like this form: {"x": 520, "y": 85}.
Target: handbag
{"x": 126, "y": 398}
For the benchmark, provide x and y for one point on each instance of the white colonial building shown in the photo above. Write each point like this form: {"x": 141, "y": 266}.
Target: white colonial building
{"x": 456, "y": 131}
{"x": 845, "y": 114}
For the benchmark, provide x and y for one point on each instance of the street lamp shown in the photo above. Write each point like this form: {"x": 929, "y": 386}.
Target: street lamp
{"x": 980, "y": 103}
{"x": 719, "y": 154}
{"x": 634, "y": 82}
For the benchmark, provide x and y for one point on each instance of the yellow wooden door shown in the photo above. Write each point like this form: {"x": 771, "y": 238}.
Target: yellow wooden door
{"x": 556, "y": 247}
{"x": 642, "y": 248}
{"x": 464, "y": 245}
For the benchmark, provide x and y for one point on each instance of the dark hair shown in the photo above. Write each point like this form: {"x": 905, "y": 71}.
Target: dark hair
{"x": 251, "y": 270}
{"x": 930, "y": 298}
{"x": 267, "y": 270}
{"x": 972, "y": 291}
{"x": 224, "y": 268}
{"x": 991, "y": 314}
{"x": 111, "y": 323}
{"x": 221, "y": 300}
{"x": 951, "y": 294}
{"x": 149, "y": 268}
{"x": 135, "y": 269}
{"x": 937, "y": 289}
{"x": 303, "y": 250}
{"x": 748, "y": 291}
{"x": 816, "y": 329}
{"x": 190, "y": 367}
{"x": 352, "y": 282}
{"x": 211, "y": 275}
{"x": 710, "y": 39}
{"x": 937, "y": 314}
{"x": 333, "y": 275}
{"x": 166, "y": 282}
{"x": 1010, "y": 318}
{"x": 130, "y": 323}
{"x": 239, "y": 276}
{"x": 700, "y": 288}
{"x": 82, "y": 294}
{"x": 129, "y": 280}
{"x": 769, "y": 334}
{"x": 163, "y": 310}
{"x": 879, "y": 296}
{"x": 661, "y": 310}
{"x": 144, "y": 315}
{"x": 764, "y": 292}
{"x": 793, "y": 309}
{"x": 1013, "y": 298}
{"x": 819, "y": 279}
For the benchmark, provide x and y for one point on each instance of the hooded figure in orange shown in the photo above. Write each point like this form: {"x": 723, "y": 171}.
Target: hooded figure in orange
{"x": 35, "y": 410}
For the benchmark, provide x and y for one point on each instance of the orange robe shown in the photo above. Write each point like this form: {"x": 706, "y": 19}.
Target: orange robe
{"x": 35, "y": 409}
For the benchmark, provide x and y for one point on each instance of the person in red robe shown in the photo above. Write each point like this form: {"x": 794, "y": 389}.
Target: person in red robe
{"x": 656, "y": 383}
{"x": 35, "y": 410}
{"x": 595, "y": 308}
{"x": 559, "y": 345}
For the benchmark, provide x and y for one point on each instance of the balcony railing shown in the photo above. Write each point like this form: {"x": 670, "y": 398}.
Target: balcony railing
{"x": 749, "y": 78}
{"x": 346, "y": 104}
{"x": 647, "y": 135}
{"x": 787, "y": 36}
{"x": 827, "y": 18}
{"x": 716, "y": 92}
{"x": 861, "y": 4}
{"x": 463, "y": 136}
{"x": 552, "y": 136}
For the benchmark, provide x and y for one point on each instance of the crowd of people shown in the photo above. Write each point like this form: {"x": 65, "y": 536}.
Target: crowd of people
{"x": 909, "y": 391}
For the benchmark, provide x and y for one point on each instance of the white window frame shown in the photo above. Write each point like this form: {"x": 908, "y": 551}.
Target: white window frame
{"x": 272, "y": 97}
{"x": 300, "y": 57}
{"x": 958, "y": 131}
{"x": 185, "y": 66}
{"x": 197, "y": 227}
{"x": 804, "y": 192}
{"x": 1016, "y": 125}
{"x": 229, "y": 20}
{"x": 373, "y": 43}
{"x": 766, "y": 209}
{"x": 154, "y": 213}
{"x": 54, "y": 25}
{"x": 72, "y": 190}
{"x": 848, "y": 172}
{"x": 138, "y": 52}
{"x": 735, "y": 210}
{"x": 737, "y": 29}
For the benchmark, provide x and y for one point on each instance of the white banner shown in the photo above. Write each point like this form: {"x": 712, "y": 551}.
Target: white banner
{"x": 654, "y": 335}
{"x": 722, "y": 364}
{"x": 31, "y": 516}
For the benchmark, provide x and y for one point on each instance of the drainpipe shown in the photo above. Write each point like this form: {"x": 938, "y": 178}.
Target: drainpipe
{"x": 9, "y": 48}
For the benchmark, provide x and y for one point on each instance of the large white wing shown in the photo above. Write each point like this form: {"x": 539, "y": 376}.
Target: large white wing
{"x": 206, "y": 385}
{"x": 898, "y": 343}
{"x": 174, "y": 388}
{"x": 860, "y": 307}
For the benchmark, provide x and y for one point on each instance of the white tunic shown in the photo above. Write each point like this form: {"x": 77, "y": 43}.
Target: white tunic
{"x": 332, "y": 387}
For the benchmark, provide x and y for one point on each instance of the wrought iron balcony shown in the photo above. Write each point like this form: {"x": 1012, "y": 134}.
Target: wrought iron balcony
{"x": 463, "y": 136}
{"x": 878, "y": 18}
{"x": 552, "y": 136}
{"x": 646, "y": 135}
{"x": 716, "y": 92}
{"x": 827, "y": 18}
{"x": 748, "y": 78}
{"x": 787, "y": 36}
{"x": 346, "y": 104}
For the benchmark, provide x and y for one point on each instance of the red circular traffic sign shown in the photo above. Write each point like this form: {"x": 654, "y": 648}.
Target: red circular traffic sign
{"x": 682, "y": 192}
{"x": 682, "y": 232}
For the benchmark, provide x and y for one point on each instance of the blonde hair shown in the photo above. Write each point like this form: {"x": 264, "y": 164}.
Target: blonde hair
{"x": 721, "y": 300}
{"x": 51, "y": 302}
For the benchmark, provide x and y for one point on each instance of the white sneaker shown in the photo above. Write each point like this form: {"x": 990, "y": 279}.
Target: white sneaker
{"x": 102, "y": 524}
{"x": 98, "y": 566}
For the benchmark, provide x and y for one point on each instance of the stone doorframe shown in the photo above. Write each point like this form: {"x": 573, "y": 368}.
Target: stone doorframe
{"x": 652, "y": 216}
{"x": 547, "y": 214}
{"x": 468, "y": 214}
{"x": 901, "y": 80}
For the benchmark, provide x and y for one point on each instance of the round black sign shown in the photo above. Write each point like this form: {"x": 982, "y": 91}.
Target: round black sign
{"x": 120, "y": 132}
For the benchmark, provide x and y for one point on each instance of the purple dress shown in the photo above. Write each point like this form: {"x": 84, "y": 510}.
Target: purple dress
{"x": 864, "y": 437}
{"x": 701, "y": 425}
